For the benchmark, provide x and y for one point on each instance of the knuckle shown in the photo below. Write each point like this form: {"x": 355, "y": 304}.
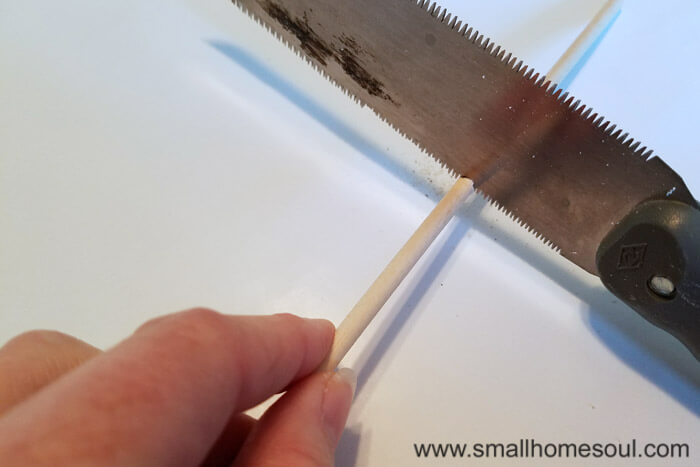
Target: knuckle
{"x": 196, "y": 324}
{"x": 199, "y": 317}
{"x": 38, "y": 337}
{"x": 289, "y": 320}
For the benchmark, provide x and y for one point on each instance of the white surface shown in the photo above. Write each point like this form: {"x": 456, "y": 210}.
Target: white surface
{"x": 159, "y": 155}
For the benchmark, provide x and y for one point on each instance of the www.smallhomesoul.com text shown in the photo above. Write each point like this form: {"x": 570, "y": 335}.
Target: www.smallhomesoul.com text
{"x": 532, "y": 449}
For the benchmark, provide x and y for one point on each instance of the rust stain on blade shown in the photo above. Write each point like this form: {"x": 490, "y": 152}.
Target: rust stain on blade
{"x": 309, "y": 41}
{"x": 560, "y": 170}
{"x": 343, "y": 49}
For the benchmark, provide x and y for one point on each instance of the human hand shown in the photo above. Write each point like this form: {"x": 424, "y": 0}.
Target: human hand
{"x": 173, "y": 393}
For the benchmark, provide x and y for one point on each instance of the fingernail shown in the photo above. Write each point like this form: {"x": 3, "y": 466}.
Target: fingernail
{"x": 348, "y": 376}
{"x": 337, "y": 399}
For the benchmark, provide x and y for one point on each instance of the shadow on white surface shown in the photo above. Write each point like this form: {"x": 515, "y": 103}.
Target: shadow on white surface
{"x": 651, "y": 352}
{"x": 349, "y": 446}
{"x": 378, "y": 351}
{"x": 569, "y": 78}
{"x": 319, "y": 113}
{"x": 423, "y": 279}
{"x": 543, "y": 23}
{"x": 648, "y": 350}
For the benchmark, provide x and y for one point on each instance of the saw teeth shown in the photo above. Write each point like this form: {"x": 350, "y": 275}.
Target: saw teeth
{"x": 520, "y": 222}
{"x": 509, "y": 61}
{"x": 462, "y": 28}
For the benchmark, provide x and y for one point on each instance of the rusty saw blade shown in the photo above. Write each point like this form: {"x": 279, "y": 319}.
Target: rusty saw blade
{"x": 550, "y": 162}
{"x": 561, "y": 170}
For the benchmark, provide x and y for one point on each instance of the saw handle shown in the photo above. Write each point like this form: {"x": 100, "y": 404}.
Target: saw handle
{"x": 651, "y": 261}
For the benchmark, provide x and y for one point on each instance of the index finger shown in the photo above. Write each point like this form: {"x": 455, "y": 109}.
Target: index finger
{"x": 163, "y": 395}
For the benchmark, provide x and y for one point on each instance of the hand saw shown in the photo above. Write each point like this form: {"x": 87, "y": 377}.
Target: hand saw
{"x": 564, "y": 172}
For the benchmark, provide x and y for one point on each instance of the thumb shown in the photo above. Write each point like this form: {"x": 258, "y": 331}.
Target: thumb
{"x": 303, "y": 427}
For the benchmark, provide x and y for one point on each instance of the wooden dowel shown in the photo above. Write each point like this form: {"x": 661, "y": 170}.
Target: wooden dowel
{"x": 584, "y": 41}
{"x": 379, "y": 292}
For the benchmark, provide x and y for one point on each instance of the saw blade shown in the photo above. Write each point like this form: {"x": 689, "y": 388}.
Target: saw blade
{"x": 551, "y": 163}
